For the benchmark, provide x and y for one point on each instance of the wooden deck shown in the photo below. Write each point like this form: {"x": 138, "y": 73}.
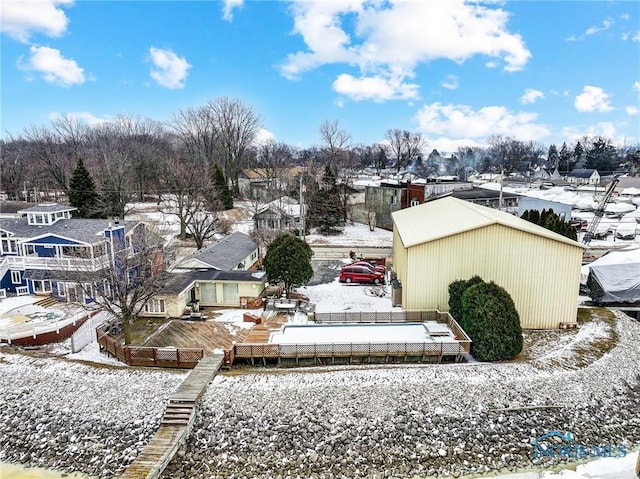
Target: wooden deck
{"x": 176, "y": 422}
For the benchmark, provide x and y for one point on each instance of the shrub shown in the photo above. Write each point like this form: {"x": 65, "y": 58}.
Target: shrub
{"x": 456, "y": 290}
{"x": 492, "y": 322}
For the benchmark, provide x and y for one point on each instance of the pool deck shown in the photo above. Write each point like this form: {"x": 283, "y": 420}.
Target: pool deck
{"x": 359, "y": 342}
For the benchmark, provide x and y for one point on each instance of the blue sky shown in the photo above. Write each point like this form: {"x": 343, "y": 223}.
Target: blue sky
{"x": 457, "y": 72}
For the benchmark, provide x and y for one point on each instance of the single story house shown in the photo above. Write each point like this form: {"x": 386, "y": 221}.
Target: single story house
{"x": 236, "y": 251}
{"x": 584, "y": 177}
{"x": 207, "y": 288}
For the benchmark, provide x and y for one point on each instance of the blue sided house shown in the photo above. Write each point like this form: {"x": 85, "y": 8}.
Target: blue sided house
{"x": 40, "y": 249}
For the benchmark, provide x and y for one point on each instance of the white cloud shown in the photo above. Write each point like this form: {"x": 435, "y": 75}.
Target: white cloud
{"x": 636, "y": 86}
{"x": 450, "y": 145}
{"x": 632, "y": 110}
{"x": 387, "y": 40}
{"x": 450, "y": 83}
{"x": 169, "y": 70}
{"x": 530, "y": 96}
{"x": 592, "y": 98}
{"x": 606, "y": 24}
{"x": 463, "y": 122}
{"x": 53, "y": 67}
{"x": 20, "y": 19}
{"x": 81, "y": 116}
{"x": 374, "y": 88}
{"x": 636, "y": 37}
{"x": 229, "y": 6}
{"x": 263, "y": 136}
{"x": 604, "y": 129}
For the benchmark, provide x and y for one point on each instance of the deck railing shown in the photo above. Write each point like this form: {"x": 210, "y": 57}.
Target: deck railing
{"x": 147, "y": 356}
{"x": 459, "y": 346}
{"x": 35, "y": 328}
{"x": 249, "y": 351}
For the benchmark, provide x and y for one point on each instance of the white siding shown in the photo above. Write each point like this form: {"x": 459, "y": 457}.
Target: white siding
{"x": 541, "y": 275}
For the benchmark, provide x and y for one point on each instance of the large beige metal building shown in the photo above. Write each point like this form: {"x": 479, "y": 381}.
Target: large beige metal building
{"x": 450, "y": 239}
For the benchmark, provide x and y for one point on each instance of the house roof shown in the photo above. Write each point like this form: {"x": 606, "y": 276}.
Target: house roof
{"x": 285, "y": 205}
{"x": 226, "y": 253}
{"x": 48, "y": 208}
{"x": 481, "y": 193}
{"x": 180, "y": 282}
{"x": 261, "y": 174}
{"x": 450, "y": 216}
{"x": 582, "y": 173}
{"x": 84, "y": 230}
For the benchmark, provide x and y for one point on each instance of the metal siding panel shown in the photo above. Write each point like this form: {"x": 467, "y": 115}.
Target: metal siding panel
{"x": 541, "y": 275}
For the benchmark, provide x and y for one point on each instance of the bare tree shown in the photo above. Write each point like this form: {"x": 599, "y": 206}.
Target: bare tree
{"x": 273, "y": 164}
{"x": 236, "y": 124}
{"x": 131, "y": 275}
{"x": 187, "y": 190}
{"x": 203, "y": 226}
{"x": 120, "y": 148}
{"x": 335, "y": 140}
{"x": 196, "y": 133}
{"x": 413, "y": 145}
{"x": 404, "y": 146}
{"x": 13, "y": 162}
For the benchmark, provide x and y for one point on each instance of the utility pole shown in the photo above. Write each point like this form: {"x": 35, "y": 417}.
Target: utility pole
{"x": 303, "y": 234}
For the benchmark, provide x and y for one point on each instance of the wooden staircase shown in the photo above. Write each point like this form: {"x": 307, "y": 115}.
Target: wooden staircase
{"x": 178, "y": 413}
{"x": 46, "y": 302}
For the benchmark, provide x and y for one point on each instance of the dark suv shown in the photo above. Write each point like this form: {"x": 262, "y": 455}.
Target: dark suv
{"x": 360, "y": 274}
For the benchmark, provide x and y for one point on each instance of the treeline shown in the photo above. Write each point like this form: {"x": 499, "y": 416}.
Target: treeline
{"x": 133, "y": 158}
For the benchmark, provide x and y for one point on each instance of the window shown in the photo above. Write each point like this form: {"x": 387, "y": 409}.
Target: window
{"x": 414, "y": 202}
{"x": 29, "y": 250}
{"x": 62, "y": 289}
{"x": 9, "y": 246}
{"x": 16, "y": 277}
{"x": 41, "y": 286}
{"x": 230, "y": 292}
{"x": 154, "y": 306}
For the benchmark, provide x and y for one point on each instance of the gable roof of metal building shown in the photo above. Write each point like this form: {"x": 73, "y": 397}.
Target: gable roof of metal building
{"x": 449, "y": 216}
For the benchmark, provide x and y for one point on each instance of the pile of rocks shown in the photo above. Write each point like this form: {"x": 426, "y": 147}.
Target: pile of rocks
{"x": 384, "y": 421}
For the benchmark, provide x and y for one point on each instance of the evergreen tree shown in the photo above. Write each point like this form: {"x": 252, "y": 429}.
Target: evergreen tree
{"x": 564, "y": 158}
{"x": 325, "y": 209}
{"x": 221, "y": 188}
{"x": 578, "y": 151}
{"x": 82, "y": 192}
{"x": 602, "y": 156}
{"x": 456, "y": 290}
{"x": 553, "y": 157}
{"x": 288, "y": 261}
{"x": 551, "y": 221}
{"x": 492, "y": 322}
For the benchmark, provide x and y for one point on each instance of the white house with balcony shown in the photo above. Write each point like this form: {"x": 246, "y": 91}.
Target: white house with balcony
{"x": 40, "y": 248}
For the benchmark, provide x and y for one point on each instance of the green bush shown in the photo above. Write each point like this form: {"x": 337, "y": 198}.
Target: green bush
{"x": 491, "y": 320}
{"x": 456, "y": 290}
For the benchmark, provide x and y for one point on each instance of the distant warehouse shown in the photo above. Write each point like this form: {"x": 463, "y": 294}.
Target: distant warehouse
{"x": 449, "y": 239}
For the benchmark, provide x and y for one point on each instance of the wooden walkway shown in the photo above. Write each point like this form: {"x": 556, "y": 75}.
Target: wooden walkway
{"x": 176, "y": 422}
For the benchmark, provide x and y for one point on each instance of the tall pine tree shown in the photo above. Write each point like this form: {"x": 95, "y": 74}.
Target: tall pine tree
{"x": 82, "y": 192}
{"x": 221, "y": 188}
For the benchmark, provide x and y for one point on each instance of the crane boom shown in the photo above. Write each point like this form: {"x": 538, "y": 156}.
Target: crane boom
{"x": 599, "y": 212}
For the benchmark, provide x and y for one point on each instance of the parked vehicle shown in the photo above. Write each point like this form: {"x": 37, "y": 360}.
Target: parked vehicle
{"x": 360, "y": 274}
{"x": 374, "y": 267}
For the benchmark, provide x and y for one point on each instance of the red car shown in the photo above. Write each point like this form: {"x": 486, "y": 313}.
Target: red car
{"x": 376, "y": 267}
{"x": 360, "y": 274}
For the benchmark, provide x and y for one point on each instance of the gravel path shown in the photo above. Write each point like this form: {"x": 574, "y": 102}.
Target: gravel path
{"x": 393, "y": 421}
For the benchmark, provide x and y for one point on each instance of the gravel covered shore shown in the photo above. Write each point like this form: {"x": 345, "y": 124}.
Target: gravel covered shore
{"x": 388, "y": 421}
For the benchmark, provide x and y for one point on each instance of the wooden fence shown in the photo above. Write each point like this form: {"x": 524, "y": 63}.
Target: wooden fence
{"x": 145, "y": 356}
